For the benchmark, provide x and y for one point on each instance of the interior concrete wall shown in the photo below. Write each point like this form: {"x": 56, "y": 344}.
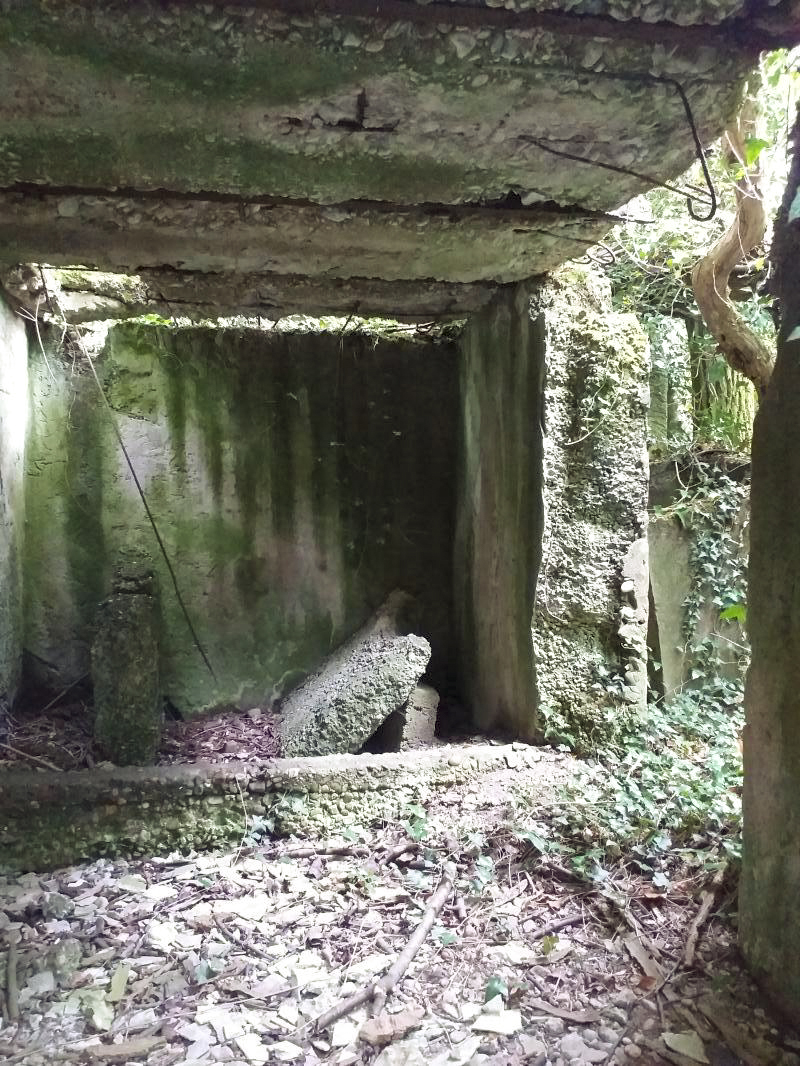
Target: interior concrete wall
{"x": 499, "y": 512}
{"x": 13, "y": 418}
{"x": 295, "y": 480}
{"x": 551, "y": 555}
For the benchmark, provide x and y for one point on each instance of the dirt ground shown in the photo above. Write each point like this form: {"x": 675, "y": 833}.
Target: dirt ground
{"x": 465, "y": 946}
{"x": 58, "y": 736}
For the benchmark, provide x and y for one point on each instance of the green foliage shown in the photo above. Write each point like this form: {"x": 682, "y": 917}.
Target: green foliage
{"x": 495, "y": 986}
{"x": 416, "y": 825}
{"x": 673, "y": 781}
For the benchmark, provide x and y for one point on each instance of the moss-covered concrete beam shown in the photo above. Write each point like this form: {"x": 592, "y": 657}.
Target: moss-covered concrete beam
{"x": 332, "y": 107}
{"x": 53, "y": 819}
{"x": 127, "y": 233}
{"x": 87, "y": 295}
{"x": 730, "y": 22}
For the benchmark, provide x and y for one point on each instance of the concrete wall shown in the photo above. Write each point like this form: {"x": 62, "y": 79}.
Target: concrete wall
{"x": 590, "y": 618}
{"x": 13, "y": 419}
{"x": 499, "y": 512}
{"x": 698, "y": 545}
{"x": 295, "y": 480}
{"x": 553, "y": 481}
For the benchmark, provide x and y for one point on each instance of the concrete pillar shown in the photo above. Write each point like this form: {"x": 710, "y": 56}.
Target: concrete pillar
{"x": 499, "y": 512}
{"x": 13, "y": 427}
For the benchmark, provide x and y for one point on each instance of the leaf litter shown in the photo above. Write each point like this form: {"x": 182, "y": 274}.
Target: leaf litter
{"x": 452, "y": 950}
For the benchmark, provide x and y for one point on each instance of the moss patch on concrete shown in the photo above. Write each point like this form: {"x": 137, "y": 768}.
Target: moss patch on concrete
{"x": 295, "y": 479}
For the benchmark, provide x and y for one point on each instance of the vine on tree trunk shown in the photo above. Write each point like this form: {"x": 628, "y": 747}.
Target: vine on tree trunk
{"x": 742, "y": 348}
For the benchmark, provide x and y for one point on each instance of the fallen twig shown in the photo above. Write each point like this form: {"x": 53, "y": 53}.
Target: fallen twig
{"x": 357, "y": 851}
{"x": 247, "y": 948}
{"x": 706, "y": 902}
{"x": 581, "y": 1017}
{"x": 12, "y": 989}
{"x": 33, "y": 758}
{"x": 378, "y": 990}
{"x": 393, "y": 853}
{"x": 63, "y": 693}
{"x": 558, "y": 923}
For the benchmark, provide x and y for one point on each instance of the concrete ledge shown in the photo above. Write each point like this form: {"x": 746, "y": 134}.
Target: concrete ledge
{"x": 49, "y": 819}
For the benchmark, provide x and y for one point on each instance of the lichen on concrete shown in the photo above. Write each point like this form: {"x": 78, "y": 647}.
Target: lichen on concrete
{"x": 589, "y": 633}
{"x": 263, "y": 457}
{"x": 332, "y": 108}
{"x": 49, "y": 820}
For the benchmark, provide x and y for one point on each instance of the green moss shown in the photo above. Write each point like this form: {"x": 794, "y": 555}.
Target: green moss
{"x": 83, "y": 526}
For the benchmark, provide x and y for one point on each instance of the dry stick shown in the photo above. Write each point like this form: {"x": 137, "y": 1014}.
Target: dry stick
{"x": 63, "y": 693}
{"x": 378, "y": 990}
{"x": 33, "y": 758}
{"x": 393, "y": 853}
{"x": 706, "y": 902}
{"x": 559, "y": 923}
{"x": 12, "y": 991}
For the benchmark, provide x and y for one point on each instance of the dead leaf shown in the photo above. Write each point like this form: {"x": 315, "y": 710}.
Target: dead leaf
{"x": 385, "y": 1027}
{"x": 688, "y": 1044}
{"x": 118, "y": 982}
{"x": 505, "y": 1022}
{"x": 639, "y": 952}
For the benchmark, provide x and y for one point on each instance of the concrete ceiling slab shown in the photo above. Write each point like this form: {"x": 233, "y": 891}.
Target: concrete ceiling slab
{"x": 442, "y": 143}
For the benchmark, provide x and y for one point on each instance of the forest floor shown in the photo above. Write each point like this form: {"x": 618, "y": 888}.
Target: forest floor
{"x": 464, "y": 949}
{"x": 43, "y": 734}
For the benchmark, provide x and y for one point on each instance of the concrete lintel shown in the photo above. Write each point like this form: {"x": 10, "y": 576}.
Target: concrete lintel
{"x": 127, "y": 232}
{"x": 50, "y": 819}
{"x": 675, "y": 26}
{"x": 175, "y": 293}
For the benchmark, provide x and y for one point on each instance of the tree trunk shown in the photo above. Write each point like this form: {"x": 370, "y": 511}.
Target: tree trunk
{"x": 769, "y": 906}
{"x": 738, "y": 343}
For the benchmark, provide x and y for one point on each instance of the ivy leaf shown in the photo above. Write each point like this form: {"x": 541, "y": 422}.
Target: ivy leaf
{"x": 753, "y": 147}
{"x": 548, "y": 944}
{"x": 737, "y": 612}
{"x": 445, "y": 936}
{"x": 716, "y": 371}
{"x": 495, "y": 986}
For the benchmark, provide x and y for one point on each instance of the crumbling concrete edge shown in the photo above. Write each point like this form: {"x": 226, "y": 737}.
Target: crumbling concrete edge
{"x": 50, "y": 819}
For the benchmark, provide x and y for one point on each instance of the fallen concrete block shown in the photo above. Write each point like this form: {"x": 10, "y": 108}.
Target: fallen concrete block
{"x": 340, "y": 706}
{"x": 412, "y": 726}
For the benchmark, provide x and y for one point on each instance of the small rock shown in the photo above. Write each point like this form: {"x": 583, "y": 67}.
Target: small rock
{"x": 65, "y": 958}
{"x": 592, "y": 1054}
{"x": 531, "y": 1046}
{"x": 572, "y": 1046}
{"x": 55, "y": 905}
{"x": 554, "y": 1026}
{"x": 41, "y": 983}
{"x": 633, "y": 1051}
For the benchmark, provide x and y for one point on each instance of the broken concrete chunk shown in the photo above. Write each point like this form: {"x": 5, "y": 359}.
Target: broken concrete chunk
{"x": 412, "y": 726}
{"x": 125, "y": 671}
{"x": 341, "y": 705}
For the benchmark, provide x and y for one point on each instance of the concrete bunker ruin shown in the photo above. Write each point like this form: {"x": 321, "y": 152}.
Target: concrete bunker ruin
{"x": 424, "y": 163}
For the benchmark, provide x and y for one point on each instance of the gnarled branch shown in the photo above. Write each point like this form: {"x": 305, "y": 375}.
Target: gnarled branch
{"x": 742, "y": 348}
